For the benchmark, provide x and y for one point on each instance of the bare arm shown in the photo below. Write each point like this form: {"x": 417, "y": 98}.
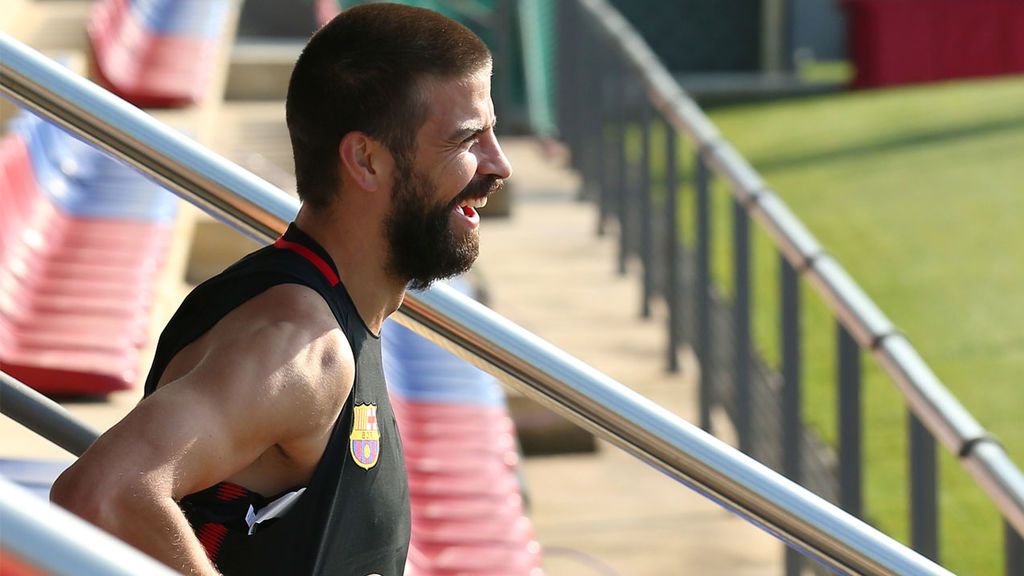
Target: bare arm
{"x": 277, "y": 377}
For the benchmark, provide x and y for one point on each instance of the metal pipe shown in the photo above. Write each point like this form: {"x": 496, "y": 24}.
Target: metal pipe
{"x": 923, "y": 487}
{"x": 59, "y": 543}
{"x": 789, "y": 234}
{"x": 741, "y": 326}
{"x": 987, "y": 462}
{"x": 673, "y": 289}
{"x": 622, "y": 185}
{"x": 211, "y": 182}
{"x": 605, "y": 124}
{"x": 704, "y": 337}
{"x": 789, "y": 322}
{"x": 1013, "y": 551}
{"x": 946, "y": 419}
{"x": 527, "y": 362}
{"x": 850, "y": 421}
{"x": 43, "y": 416}
{"x": 866, "y": 322}
{"x": 646, "y": 228}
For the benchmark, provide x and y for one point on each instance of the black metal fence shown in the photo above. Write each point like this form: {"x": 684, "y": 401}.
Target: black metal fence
{"x": 612, "y": 93}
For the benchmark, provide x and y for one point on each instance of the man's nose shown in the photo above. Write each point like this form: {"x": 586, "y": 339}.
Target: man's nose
{"x": 493, "y": 161}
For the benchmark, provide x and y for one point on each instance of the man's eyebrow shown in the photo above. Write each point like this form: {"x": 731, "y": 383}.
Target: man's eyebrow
{"x": 471, "y": 128}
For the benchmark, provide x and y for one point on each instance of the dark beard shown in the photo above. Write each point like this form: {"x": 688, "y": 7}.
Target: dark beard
{"x": 422, "y": 245}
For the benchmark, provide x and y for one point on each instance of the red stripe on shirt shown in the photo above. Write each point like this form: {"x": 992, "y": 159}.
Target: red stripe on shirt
{"x": 211, "y": 536}
{"x": 313, "y": 258}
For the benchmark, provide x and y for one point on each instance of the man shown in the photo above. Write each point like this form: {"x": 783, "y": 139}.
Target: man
{"x": 265, "y": 443}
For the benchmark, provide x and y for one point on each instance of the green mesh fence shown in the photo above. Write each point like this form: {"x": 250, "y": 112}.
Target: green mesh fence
{"x": 537, "y": 42}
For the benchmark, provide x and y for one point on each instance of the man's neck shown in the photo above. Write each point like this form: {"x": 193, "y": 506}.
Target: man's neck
{"x": 357, "y": 246}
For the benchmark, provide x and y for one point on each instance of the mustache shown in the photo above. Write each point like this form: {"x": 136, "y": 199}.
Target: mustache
{"x": 478, "y": 189}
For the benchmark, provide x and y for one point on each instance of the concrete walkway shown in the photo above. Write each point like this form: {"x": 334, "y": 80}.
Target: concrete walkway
{"x": 602, "y": 513}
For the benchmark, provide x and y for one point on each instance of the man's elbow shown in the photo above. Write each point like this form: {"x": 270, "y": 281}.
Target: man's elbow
{"x": 95, "y": 502}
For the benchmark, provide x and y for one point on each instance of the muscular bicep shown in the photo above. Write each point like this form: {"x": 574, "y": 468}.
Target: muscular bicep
{"x": 271, "y": 386}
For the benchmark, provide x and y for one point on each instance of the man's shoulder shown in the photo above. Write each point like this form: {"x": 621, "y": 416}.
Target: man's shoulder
{"x": 285, "y": 311}
{"x": 288, "y": 337}
{"x": 292, "y": 330}
{"x": 290, "y": 302}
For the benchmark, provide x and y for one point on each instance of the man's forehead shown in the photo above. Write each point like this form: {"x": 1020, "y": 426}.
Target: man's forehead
{"x": 460, "y": 103}
{"x": 474, "y": 84}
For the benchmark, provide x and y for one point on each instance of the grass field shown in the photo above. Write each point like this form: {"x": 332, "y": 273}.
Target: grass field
{"x": 919, "y": 193}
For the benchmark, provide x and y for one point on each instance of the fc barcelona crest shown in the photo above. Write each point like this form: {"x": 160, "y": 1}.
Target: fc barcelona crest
{"x": 364, "y": 442}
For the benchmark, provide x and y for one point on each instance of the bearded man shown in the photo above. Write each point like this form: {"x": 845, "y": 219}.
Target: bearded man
{"x": 265, "y": 443}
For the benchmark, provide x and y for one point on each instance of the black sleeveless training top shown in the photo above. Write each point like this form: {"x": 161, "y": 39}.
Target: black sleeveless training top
{"x": 353, "y": 517}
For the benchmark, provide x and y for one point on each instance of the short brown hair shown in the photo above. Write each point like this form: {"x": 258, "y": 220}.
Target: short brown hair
{"x": 360, "y": 72}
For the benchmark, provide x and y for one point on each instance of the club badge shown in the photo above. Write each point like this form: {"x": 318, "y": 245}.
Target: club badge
{"x": 364, "y": 442}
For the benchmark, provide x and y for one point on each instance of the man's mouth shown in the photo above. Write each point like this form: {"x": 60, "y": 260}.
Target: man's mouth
{"x": 469, "y": 206}
{"x": 475, "y": 197}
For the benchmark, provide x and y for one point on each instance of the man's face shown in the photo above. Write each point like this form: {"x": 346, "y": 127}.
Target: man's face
{"x": 433, "y": 228}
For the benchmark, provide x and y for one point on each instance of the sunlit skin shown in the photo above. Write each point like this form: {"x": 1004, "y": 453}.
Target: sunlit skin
{"x": 457, "y": 141}
{"x": 254, "y": 399}
{"x": 431, "y": 234}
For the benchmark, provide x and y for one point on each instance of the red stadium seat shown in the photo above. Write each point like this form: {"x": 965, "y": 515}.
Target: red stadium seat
{"x": 75, "y": 292}
{"x": 151, "y": 67}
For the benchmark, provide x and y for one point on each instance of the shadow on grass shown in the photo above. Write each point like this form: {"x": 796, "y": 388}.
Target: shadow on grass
{"x": 897, "y": 143}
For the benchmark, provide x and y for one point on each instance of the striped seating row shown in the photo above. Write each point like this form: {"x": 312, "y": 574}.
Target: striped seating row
{"x": 81, "y": 239}
{"x": 462, "y": 460}
{"x": 156, "y": 53}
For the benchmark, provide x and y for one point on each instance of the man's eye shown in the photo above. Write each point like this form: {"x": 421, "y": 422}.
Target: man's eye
{"x": 471, "y": 140}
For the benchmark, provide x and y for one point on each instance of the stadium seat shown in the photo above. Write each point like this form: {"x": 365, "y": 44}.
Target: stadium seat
{"x": 461, "y": 457}
{"x": 156, "y": 53}
{"x": 34, "y": 475}
{"x": 81, "y": 239}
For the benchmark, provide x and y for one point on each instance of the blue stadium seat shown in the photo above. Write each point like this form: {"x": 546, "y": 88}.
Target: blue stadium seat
{"x": 85, "y": 182}
{"x": 200, "y": 18}
{"x": 36, "y": 476}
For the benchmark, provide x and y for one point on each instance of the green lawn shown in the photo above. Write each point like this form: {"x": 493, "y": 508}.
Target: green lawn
{"x": 919, "y": 193}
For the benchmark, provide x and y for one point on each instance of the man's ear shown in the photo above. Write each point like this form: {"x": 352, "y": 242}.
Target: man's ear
{"x": 364, "y": 160}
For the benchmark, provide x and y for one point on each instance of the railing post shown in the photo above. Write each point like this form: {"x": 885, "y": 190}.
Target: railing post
{"x": 622, "y": 182}
{"x": 565, "y": 78}
{"x": 790, "y": 324}
{"x": 505, "y": 14}
{"x": 741, "y": 324}
{"x": 704, "y": 337}
{"x": 924, "y": 516}
{"x": 1013, "y": 550}
{"x": 591, "y": 120}
{"x": 598, "y": 125}
{"x": 570, "y": 74}
{"x": 849, "y": 418}
{"x": 646, "y": 227}
{"x": 673, "y": 290}
{"x": 609, "y": 88}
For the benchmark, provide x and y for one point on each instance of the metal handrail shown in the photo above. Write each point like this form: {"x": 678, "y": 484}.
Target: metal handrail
{"x": 60, "y": 543}
{"x": 44, "y": 416}
{"x": 930, "y": 401}
{"x": 528, "y": 363}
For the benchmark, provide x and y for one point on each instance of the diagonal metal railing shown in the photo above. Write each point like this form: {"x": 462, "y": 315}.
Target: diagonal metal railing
{"x": 526, "y": 362}
{"x": 48, "y": 538}
{"x": 612, "y": 82}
